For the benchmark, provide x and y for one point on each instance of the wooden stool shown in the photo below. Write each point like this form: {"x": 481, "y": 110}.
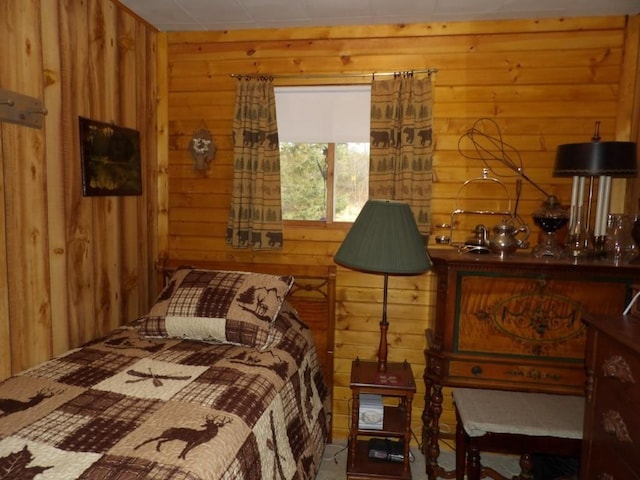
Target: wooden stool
{"x": 514, "y": 422}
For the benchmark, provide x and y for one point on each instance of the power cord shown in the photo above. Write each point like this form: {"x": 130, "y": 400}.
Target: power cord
{"x": 631, "y": 303}
{"x": 334, "y": 457}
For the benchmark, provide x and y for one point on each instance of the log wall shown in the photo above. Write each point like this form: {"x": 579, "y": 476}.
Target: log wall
{"x": 72, "y": 267}
{"x": 545, "y": 82}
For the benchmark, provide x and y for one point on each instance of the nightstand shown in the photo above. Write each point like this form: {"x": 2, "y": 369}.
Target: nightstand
{"x": 397, "y": 382}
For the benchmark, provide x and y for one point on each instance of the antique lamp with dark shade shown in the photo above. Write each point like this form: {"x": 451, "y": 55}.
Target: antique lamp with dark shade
{"x": 604, "y": 160}
{"x": 384, "y": 239}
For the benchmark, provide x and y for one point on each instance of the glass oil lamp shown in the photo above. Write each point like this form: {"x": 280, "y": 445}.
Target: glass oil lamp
{"x": 550, "y": 218}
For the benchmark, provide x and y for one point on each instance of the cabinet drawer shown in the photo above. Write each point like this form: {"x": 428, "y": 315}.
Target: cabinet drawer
{"x": 616, "y": 422}
{"x": 520, "y": 374}
{"x": 605, "y": 464}
{"x": 617, "y": 367}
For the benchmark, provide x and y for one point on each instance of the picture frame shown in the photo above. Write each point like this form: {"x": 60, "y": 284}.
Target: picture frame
{"x": 110, "y": 157}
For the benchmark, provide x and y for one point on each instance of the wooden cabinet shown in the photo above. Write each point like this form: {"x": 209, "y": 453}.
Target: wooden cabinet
{"x": 611, "y": 447}
{"x": 395, "y": 384}
{"x": 513, "y": 323}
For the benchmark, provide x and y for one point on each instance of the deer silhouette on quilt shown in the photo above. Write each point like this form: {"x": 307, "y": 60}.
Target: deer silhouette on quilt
{"x": 11, "y": 405}
{"x": 191, "y": 436}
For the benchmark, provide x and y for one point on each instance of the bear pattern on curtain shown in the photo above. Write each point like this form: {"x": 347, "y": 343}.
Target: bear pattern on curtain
{"x": 255, "y": 214}
{"x": 401, "y": 150}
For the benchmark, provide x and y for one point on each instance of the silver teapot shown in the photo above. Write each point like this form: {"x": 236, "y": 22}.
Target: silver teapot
{"x": 503, "y": 239}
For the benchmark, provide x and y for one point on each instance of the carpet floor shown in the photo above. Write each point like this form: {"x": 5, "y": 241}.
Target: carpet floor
{"x": 334, "y": 463}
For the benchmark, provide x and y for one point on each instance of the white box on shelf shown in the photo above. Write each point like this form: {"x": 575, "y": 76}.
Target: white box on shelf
{"x": 371, "y": 412}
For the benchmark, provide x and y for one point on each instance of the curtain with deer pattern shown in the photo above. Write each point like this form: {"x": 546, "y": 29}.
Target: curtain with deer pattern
{"x": 401, "y": 148}
{"x": 255, "y": 215}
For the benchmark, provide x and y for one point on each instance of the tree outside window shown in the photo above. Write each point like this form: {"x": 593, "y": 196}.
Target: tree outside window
{"x": 323, "y": 181}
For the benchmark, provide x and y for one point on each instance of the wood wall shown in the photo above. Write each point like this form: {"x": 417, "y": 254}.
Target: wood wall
{"x": 72, "y": 267}
{"x": 545, "y": 82}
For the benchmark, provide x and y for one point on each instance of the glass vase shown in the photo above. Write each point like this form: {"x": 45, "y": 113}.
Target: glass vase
{"x": 618, "y": 243}
{"x": 577, "y": 243}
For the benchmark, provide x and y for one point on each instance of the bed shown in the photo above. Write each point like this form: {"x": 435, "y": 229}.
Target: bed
{"x": 226, "y": 377}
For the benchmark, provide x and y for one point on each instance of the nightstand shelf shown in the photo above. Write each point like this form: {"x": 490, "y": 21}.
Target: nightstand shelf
{"x": 393, "y": 425}
{"x": 397, "y": 382}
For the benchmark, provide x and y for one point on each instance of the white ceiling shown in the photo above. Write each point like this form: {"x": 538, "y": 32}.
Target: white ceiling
{"x": 184, "y": 15}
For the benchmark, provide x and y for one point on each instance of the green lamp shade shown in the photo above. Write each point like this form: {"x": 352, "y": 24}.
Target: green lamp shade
{"x": 384, "y": 239}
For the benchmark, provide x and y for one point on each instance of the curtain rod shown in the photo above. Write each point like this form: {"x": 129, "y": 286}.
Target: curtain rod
{"x": 428, "y": 71}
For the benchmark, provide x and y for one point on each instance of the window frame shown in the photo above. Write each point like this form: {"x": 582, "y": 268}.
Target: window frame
{"x": 331, "y": 146}
{"x": 331, "y": 187}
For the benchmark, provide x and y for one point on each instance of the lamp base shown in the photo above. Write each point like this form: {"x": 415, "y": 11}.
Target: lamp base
{"x": 598, "y": 246}
{"x": 382, "y": 347}
{"x": 548, "y": 247}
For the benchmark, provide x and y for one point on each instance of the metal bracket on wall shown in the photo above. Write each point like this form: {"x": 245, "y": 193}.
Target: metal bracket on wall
{"x": 21, "y": 109}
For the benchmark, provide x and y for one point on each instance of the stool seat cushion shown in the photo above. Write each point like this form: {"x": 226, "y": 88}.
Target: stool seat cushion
{"x": 534, "y": 414}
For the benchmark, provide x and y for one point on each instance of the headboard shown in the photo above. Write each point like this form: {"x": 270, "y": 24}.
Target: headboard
{"x": 313, "y": 295}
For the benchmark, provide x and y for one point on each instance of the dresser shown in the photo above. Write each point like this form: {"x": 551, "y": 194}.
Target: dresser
{"x": 513, "y": 323}
{"x": 611, "y": 440}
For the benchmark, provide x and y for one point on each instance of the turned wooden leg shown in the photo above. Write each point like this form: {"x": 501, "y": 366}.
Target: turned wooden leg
{"x": 353, "y": 432}
{"x": 526, "y": 467}
{"x": 473, "y": 464}
{"x": 461, "y": 449}
{"x": 426, "y": 415}
{"x": 432, "y": 450}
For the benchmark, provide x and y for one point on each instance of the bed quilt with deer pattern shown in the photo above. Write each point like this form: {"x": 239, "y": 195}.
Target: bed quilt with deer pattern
{"x": 130, "y": 407}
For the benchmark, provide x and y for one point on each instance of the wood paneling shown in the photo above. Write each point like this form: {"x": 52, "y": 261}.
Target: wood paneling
{"x": 72, "y": 267}
{"x": 5, "y": 332}
{"x": 545, "y": 82}
{"x": 25, "y": 178}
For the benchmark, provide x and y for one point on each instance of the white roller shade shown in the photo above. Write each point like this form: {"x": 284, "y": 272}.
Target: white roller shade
{"x": 320, "y": 114}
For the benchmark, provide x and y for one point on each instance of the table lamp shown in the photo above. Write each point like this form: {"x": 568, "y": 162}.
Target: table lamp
{"x": 384, "y": 239}
{"x": 589, "y": 160}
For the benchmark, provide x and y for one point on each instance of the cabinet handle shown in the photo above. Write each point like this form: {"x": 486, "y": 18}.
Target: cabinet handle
{"x": 476, "y": 370}
{"x": 617, "y": 367}
{"x": 613, "y": 424}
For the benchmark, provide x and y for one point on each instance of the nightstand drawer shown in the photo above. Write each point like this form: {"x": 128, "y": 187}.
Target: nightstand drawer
{"x": 520, "y": 373}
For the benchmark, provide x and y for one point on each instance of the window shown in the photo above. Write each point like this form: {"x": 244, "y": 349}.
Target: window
{"x": 324, "y": 151}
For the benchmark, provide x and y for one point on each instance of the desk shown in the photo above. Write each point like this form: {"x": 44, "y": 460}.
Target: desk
{"x": 513, "y": 324}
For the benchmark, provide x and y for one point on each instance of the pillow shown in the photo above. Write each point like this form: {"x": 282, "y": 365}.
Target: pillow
{"x": 217, "y": 305}
{"x": 278, "y": 329}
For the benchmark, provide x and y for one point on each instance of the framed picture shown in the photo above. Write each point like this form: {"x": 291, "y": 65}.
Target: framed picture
{"x": 110, "y": 158}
